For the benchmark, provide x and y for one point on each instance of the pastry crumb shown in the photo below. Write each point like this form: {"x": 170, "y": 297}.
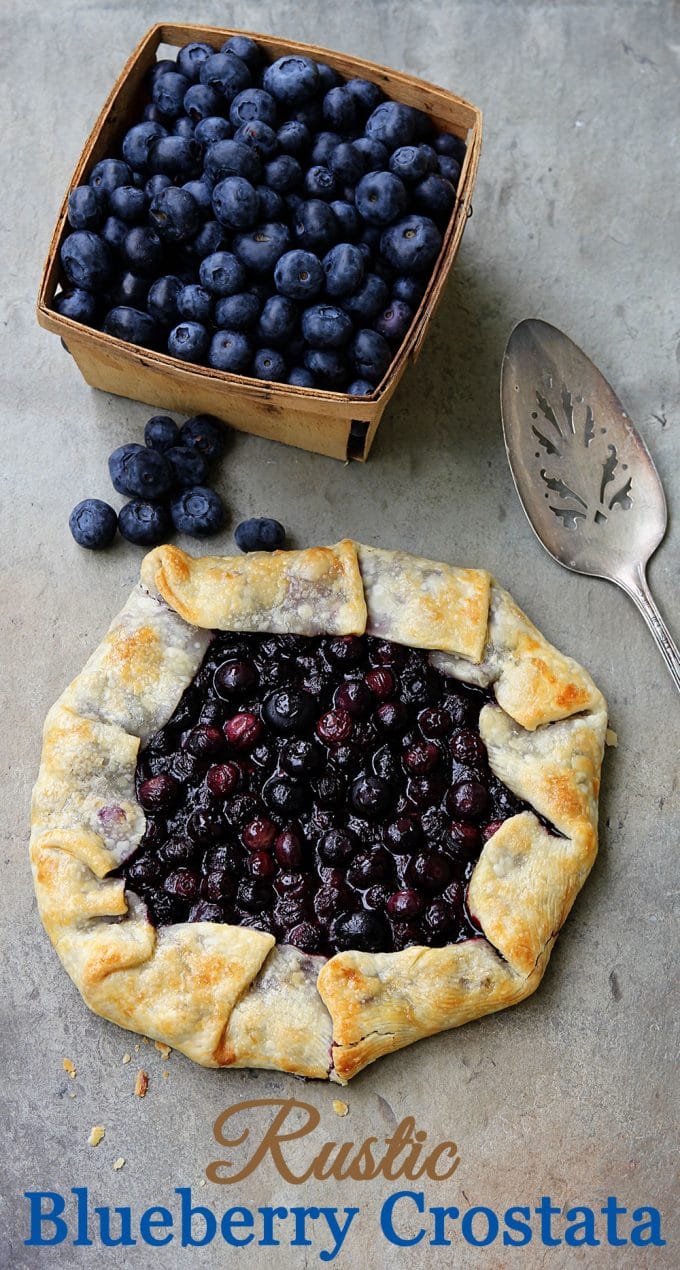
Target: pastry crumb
{"x": 69, "y": 1068}
{"x": 127, "y": 1058}
{"x": 136, "y": 1049}
{"x": 97, "y": 1133}
{"x": 118, "y": 1164}
{"x": 145, "y": 1040}
{"x": 141, "y": 1084}
{"x": 163, "y": 1049}
{"x": 611, "y": 738}
{"x": 72, "y": 1093}
{"x": 166, "y": 1073}
{"x": 202, "y": 1182}
{"x": 340, "y": 1108}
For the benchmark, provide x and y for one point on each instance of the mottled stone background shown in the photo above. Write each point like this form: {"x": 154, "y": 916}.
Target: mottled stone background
{"x": 573, "y": 1093}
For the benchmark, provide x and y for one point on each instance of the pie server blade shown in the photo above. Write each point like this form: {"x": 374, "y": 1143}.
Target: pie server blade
{"x": 584, "y": 476}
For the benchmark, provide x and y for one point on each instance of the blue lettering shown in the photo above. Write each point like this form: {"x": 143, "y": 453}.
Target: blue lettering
{"x": 81, "y": 1240}
{"x": 238, "y": 1217}
{"x": 338, "y": 1231}
{"x": 38, "y": 1218}
{"x": 148, "y": 1222}
{"x": 653, "y": 1223}
{"x": 546, "y": 1210}
{"x": 468, "y": 1233}
{"x": 522, "y": 1228}
{"x": 439, "y": 1239}
{"x": 583, "y": 1227}
{"x": 189, "y": 1240}
{"x": 611, "y": 1210}
{"x": 268, "y": 1215}
{"x": 108, "y": 1241}
{"x": 387, "y": 1213}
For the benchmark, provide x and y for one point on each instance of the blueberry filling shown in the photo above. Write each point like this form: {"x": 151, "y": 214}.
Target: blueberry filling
{"x": 334, "y": 792}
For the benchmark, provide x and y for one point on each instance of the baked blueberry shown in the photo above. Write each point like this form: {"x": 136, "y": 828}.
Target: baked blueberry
{"x": 86, "y": 260}
{"x": 288, "y": 711}
{"x": 93, "y": 524}
{"x": 197, "y": 512}
{"x": 260, "y": 533}
{"x": 226, "y": 73}
{"x": 204, "y": 434}
{"x": 140, "y": 471}
{"x": 161, "y": 433}
{"x": 78, "y": 304}
{"x": 132, "y": 325}
{"x": 344, "y": 267}
{"x": 221, "y": 273}
{"x": 380, "y": 197}
{"x": 412, "y": 245}
{"x": 175, "y": 215}
{"x": 195, "y": 303}
{"x": 299, "y": 275}
{"x": 146, "y": 524}
{"x": 292, "y": 80}
{"x": 364, "y": 931}
{"x": 189, "y": 341}
{"x": 86, "y": 207}
{"x": 162, "y": 297}
{"x": 326, "y": 326}
{"x": 230, "y": 351}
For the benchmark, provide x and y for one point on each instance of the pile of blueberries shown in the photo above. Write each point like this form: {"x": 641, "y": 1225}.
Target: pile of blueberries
{"x": 165, "y": 481}
{"x": 270, "y": 220}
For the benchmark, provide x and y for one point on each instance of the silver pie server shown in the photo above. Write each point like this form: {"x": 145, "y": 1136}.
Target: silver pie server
{"x": 584, "y": 477}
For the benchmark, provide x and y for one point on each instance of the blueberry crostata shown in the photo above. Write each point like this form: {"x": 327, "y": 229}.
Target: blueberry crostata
{"x": 300, "y": 809}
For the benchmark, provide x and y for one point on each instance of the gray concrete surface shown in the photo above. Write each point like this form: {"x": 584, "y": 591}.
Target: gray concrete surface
{"x": 572, "y": 1094}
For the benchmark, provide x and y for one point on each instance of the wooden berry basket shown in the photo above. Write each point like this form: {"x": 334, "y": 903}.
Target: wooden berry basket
{"x": 331, "y": 423}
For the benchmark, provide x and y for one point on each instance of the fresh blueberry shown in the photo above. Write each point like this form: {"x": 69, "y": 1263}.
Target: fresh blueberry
{"x": 128, "y": 203}
{"x": 320, "y": 183}
{"x": 235, "y": 203}
{"x": 162, "y": 67}
{"x": 269, "y": 364}
{"x": 394, "y": 321}
{"x": 343, "y": 267}
{"x": 310, "y": 114}
{"x": 85, "y": 207}
{"x": 369, "y": 298}
{"x": 328, "y": 366}
{"x": 212, "y": 129}
{"x": 278, "y": 321}
{"x": 230, "y": 351}
{"x": 360, "y": 388}
{"x": 143, "y": 249}
{"x": 366, "y": 94}
{"x": 130, "y": 289}
{"x": 114, "y": 232}
{"x": 328, "y": 78}
{"x": 271, "y": 206}
{"x": 260, "y": 533}
{"x": 253, "y": 103}
{"x": 294, "y": 138}
{"x": 226, "y": 73}
{"x": 168, "y": 93}
{"x": 86, "y": 260}
{"x": 93, "y": 524}
{"x": 151, "y": 114}
{"x": 300, "y": 377}
{"x": 348, "y": 218}
{"x": 191, "y": 57}
{"x": 292, "y": 79}
{"x": 237, "y": 312}
{"x": 77, "y": 304}
{"x": 176, "y": 157}
{"x": 232, "y": 158}
{"x": 324, "y": 144}
{"x": 325, "y": 326}
{"x": 341, "y": 110}
{"x": 189, "y": 341}
{"x": 410, "y": 290}
{"x": 260, "y": 249}
{"x": 189, "y": 466}
{"x": 435, "y": 197}
{"x": 109, "y": 174}
{"x": 347, "y": 164}
{"x": 201, "y": 192}
{"x": 208, "y": 241}
{"x": 299, "y": 275}
{"x": 316, "y": 226}
{"x": 222, "y": 274}
{"x": 155, "y": 184}
{"x": 258, "y": 136}
{"x": 410, "y": 163}
{"x": 198, "y": 512}
{"x": 283, "y": 174}
{"x": 132, "y": 325}
{"x": 162, "y": 299}
{"x": 374, "y": 153}
{"x": 447, "y": 143}
{"x": 412, "y": 245}
{"x": 160, "y": 433}
{"x": 242, "y": 46}
{"x": 392, "y": 123}
{"x": 204, "y": 434}
{"x": 139, "y": 471}
{"x": 194, "y": 303}
{"x": 138, "y": 142}
{"x": 370, "y": 355}
{"x": 146, "y": 524}
{"x": 202, "y": 102}
{"x": 449, "y": 169}
{"x": 380, "y": 197}
{"x": 175, "y": 215}
{"x": 183, "y": 127}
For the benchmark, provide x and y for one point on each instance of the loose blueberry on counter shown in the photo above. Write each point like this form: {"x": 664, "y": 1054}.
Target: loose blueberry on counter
{"x": 189, "y": 467}
{"x": 204, "y": 434}
{"x": 198, "y": 512}
{"x": 93, "y": 524}
{"x": 140, "y": 471}
{"x": 146, "y": 524}
{"x": 260, "y": 533}
{"x": 161, "y": 433}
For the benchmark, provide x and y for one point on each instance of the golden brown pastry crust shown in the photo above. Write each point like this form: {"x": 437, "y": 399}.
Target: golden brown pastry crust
{"x": 229, "y": 995}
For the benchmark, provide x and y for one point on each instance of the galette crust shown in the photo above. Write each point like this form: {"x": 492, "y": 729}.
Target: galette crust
{"x": 229, "y": 996}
